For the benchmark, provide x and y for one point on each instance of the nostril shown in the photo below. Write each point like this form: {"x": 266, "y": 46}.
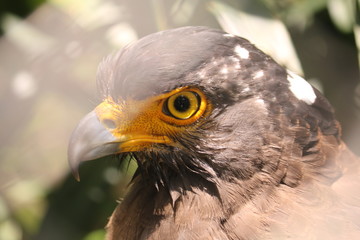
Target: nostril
{"x": 109, "y": 123}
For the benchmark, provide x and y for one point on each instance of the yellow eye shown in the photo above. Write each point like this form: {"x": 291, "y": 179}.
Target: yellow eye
{"x": 183, "y": 105}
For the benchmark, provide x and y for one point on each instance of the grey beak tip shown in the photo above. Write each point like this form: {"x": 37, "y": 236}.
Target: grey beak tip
{"x": 74, "y": 165}
{"x": 90, "y": 140}
{"x": 76, "y": 175}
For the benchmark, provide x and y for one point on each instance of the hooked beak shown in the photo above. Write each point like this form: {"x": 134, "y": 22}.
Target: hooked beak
{"x": 90, "y": 140}
{"x": 112, "y": 128}
{"x": 131, "y": 125}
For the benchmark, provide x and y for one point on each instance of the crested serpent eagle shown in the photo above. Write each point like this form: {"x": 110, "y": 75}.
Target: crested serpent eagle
{"x": 229, "y": 144}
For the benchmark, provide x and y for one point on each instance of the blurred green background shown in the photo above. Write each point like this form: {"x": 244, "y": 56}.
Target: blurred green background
{"x": 49, "y": 52}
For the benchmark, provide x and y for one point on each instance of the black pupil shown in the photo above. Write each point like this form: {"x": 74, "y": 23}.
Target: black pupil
{"x": 182, "y": 103}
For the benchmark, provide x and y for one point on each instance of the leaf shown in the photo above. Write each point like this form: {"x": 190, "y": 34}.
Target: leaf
{"x": 357, "y": 40}
{"x": 342, "y": 13}
{"x": 10, "y": 230}
{"x": 96, "y": 235}
{"x": 270, "y": 35}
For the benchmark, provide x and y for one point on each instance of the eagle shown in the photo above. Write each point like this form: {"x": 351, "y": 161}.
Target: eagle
{"x": 229, "y": 144}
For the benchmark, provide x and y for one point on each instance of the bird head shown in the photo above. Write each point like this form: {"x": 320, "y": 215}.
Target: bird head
{"x": 200, "y": 101}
